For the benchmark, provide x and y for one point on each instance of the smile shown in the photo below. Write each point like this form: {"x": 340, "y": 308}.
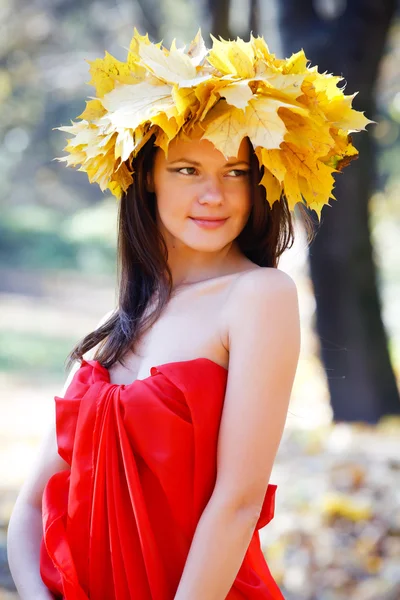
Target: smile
{"x": 209, "y": 223}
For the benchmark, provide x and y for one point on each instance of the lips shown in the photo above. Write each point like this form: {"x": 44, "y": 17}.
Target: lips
{"x": 208, "y": 219}
{"x": 208, "y": 222}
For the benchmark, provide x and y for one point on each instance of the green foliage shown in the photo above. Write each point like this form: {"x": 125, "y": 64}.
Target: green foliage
{"x": 34, "y": 354}
{"x": 35, "y": 237}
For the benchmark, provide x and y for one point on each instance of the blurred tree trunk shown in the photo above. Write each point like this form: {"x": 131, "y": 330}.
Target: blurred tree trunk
{"x": 353, "y": 341}
{"x": 254, "y": 17}
{"x": 151, "y": 17}
{"x": 219, "y": 11}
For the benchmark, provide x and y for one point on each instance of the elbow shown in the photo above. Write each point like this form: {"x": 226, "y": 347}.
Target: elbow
{"x": 250, "y": 513}
{"x": 245, "y": 510}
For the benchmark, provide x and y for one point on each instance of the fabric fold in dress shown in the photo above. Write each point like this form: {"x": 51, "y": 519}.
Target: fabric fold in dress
{"x": 118, "y": 524}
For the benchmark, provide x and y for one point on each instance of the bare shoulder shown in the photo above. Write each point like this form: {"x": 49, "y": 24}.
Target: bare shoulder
{"x": 271, "y": 275}
{"x": 254, "y": 288}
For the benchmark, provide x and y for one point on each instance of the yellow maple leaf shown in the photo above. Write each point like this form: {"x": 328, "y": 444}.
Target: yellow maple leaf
{"x": 261, "y": 49}
{"x": 343, "y": 151}
{"x": 340, "y": 113}
{"x": 324, "y": 97}
{"x": 301, "y": 164}
{"x": 107, "y": 71}
{"x": 273, "y": 161}
{"x": 185, "y": 100}
{"x": 312, "y": 134}
{"x": 313, "y": 195}
{"x": 266, "y": 90}
{"x": 272, "y": 187}
{"x": 264, "y": 61}
{"x": 208, "y": 95}
{"x": 263, "y": 124}
{"x": 115, "y": 189}
{"x": 292, "y": 189}
{"x": 94, "y": 110}
{"x": 297, "y": 63}
{"x": 288, "y": 85}
{"x": 340, "y": 162}
{"x": 315, "y": 101}
{"x": 123, "y": 176}
{"x": 232, "y": 57}
{"x": 133, "y": 58}
{"x": 224, "y": 127}
{"x": 100, "y": 169}
{"x": 327, "y": 83}
{"x": 162, "y": 141}
{"x": 301, "y": 175}
{"x": 169, "y": 126}
{"x": 141, "y": 136}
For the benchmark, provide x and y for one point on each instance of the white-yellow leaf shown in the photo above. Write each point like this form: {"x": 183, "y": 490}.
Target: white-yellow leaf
{"x": 131, "y": 105}
{"x": 172, "y": 67}
{"x": 197, "y": 49}
{"x": 124, "y": 144}
{"x": 237, "y": 94}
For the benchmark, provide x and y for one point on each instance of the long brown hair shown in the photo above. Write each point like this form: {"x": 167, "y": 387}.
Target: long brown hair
{"x": 143, "y": 272}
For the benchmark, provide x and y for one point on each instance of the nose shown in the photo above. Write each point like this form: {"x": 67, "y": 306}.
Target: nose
{"x": 211, "y": 191}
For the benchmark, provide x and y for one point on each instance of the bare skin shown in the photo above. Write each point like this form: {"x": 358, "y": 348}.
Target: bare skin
{"x": 227, "y": 309}
{"x": 204, "y": 263}
{"x": 194, "y": 320}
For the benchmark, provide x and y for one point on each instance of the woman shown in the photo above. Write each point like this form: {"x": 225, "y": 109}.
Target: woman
{"x": 154, "y": 481}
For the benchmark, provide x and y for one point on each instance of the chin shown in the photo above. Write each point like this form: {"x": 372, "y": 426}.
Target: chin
{"x": 209, "y": 245}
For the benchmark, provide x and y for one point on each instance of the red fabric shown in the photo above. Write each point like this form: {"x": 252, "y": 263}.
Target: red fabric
{"x": 119, "y": 523}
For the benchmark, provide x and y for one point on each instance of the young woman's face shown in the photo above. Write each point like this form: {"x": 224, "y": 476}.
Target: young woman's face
{"x": 196, "y": 181}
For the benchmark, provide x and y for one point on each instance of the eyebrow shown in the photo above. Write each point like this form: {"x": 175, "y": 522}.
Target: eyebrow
{"x": 197, "y": 164}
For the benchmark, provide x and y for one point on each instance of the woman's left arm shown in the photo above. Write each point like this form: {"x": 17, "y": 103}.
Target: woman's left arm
{"x": 262, "y": 318}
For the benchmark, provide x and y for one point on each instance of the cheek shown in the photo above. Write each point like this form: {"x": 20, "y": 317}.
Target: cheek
{"x": 167, "y": 194}
{"x": 241, "y": 201}
{"x": 174, "y": 208}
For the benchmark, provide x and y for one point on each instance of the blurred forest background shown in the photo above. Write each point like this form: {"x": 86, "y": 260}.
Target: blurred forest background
{"x": 336, "y": 530}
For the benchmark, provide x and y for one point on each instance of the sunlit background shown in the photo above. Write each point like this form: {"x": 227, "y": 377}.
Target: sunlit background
{"x": 336, "y": 530}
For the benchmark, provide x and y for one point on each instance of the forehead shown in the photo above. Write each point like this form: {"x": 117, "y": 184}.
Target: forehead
{"x": 204, "y": 150}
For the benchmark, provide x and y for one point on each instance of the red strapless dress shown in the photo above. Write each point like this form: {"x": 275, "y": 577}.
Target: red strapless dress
{"x": 119, "y": 523}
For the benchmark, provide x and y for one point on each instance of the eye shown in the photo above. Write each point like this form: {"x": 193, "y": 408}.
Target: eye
{"x": 238, "y": 173}
{"x": 189, "y": 170}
